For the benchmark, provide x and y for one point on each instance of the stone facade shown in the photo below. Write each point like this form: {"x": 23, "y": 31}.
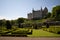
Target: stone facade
{"x": 38, "y": 14}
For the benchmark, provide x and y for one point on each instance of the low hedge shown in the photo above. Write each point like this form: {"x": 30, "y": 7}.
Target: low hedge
{"x": 53, "y": 29}
{"x": 16, "y": 32}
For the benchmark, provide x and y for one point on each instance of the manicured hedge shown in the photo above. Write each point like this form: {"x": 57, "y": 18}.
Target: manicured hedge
{"x": 17, "y": 32}
{"x": 53, "y": 29}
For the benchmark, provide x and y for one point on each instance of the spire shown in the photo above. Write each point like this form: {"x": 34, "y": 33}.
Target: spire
{"x": 41, "y": 8}
{"x": 32, "y": 9}
{"x": 46, "y": 9}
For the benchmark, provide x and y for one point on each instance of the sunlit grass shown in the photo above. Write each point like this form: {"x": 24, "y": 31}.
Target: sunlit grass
{"x": 54, "y": 29}
{"x": 41, "y": 33}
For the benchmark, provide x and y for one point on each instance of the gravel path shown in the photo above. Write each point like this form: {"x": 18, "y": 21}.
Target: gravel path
{"x": 27, "y": 38}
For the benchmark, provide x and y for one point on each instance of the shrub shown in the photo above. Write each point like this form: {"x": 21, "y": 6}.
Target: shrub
{"x": 58, "y": 32}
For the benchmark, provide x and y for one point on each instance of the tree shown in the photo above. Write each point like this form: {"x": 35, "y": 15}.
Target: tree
{"x": 1, "y": 22}
{"x": 19, "y": 21}
{"x": 56, "y": 13}
{"x": 48, "y": 15}
{"x": 13, "y": 22}
{"x": 8, "y": 24}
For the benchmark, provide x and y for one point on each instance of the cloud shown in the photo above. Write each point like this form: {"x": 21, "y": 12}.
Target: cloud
{"x": 2, "y": 17}
{"x": 13, "y": 18}
{"x": 7, "y": 18}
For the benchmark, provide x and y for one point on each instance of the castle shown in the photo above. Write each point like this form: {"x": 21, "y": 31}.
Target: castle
{"x": 38, "y": 14}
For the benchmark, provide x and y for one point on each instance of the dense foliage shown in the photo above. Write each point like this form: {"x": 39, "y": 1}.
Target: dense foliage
{"x": 8, "y": 24}
{"x": 56, "y": 13}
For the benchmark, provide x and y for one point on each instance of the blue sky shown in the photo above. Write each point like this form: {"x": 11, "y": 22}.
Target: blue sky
{"x": 12, "y": 9}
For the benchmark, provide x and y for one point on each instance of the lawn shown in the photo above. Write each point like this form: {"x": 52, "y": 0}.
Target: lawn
{"x": 41, "y": 33}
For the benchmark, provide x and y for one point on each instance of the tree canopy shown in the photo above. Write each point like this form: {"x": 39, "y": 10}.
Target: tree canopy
{"x": 8, "y": 24}
{"x": 56, "y": 13}
{"x": 20, "y": 20}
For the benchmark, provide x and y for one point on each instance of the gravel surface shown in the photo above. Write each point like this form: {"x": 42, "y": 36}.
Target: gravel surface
{"x": 29, "y": 38}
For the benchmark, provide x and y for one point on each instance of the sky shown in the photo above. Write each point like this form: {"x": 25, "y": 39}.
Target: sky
{"x": 13, "y": 9}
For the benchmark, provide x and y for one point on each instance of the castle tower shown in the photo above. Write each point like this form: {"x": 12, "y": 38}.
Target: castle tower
{"x": 45, "y": 11}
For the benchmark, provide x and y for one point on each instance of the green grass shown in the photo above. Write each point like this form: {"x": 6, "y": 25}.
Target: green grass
{"x": 41, "y": 33}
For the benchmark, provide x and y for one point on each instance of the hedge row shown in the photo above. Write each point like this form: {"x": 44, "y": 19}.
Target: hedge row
{"x": 53, "y": 29}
